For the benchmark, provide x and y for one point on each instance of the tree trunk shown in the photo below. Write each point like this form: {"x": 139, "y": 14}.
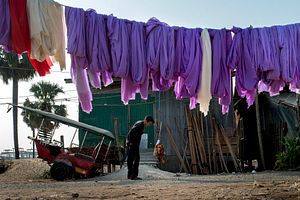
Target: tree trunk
{"x": 33, "y": 144}
{"x": 15, "y": 117}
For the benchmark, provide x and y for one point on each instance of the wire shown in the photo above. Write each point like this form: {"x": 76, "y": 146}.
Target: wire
{"x": 19, "y": 68}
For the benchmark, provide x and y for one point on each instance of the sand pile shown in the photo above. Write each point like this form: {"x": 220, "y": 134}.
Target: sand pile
{"x": 25, "y": 170}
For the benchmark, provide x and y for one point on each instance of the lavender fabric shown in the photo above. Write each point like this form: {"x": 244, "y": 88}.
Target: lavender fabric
{"x": 75, "y": 21}
{"x": 240, "y": 58}
{"x": 5, "y": 24}
{"x": 160, "y": 54}
{"x": 188, "y": 64}
{"x": 221, "y": 41}
{"x": 118, "y": 33}
{"x": 103, "y": 47}
{"x": 266, "y": 59}
{"x": 92, "y": 34}
{"x": 138, "y": 79}
{"x": 97, "y": 49}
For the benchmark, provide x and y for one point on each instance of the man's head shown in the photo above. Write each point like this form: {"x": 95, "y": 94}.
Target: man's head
{"x": 148, "y": 120}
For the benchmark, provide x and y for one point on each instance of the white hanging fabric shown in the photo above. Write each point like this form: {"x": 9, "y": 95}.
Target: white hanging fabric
{"x": 47, "y": 30}
{"x": 204, "y": 94}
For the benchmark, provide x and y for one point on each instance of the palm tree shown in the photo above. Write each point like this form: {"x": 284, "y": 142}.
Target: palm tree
{"x": 16, "y": 69}
{"x": 45, "y": 93}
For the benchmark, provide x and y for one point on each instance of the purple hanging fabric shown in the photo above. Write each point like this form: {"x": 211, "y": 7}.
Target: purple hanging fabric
{"x": 270, "y": 57}
{"x": 104, "y": 57}
{"x": 92, "y": 34}
{"x": 118, "y": 34}
{"x": 5, "y": 25}
{"x": 189, "y": 59}
{"x": 284, "y": 51}
{"x": 75, "y": 21}
{"x": 241, "y": 58}
{"x": 221, "y": 41}
{"x": 97, "y": 49}
{"x": 160, "y": 55}
{"x": 138, "y": 78}
{"x": 295, "y": 84}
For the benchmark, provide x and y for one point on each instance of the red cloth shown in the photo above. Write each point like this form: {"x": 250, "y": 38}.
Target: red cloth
{"x": 20, "y": 35}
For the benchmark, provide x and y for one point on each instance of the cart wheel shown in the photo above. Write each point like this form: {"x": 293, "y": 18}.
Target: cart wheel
{"x": 60, "y": 171}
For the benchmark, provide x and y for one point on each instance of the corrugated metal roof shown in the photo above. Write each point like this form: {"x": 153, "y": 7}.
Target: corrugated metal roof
{"x": 69, "y": 122}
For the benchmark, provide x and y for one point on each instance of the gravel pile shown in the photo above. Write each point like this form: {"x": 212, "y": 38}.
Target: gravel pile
{"x": 146, "y": 172}
{"x": 25, "y": 170}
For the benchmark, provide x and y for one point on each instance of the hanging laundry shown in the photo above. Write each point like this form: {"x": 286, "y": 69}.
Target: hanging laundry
{"x": 92, "y": 36}
{"x": 241, "y": 58}
{"x": 189, "y": 58}
{"x": 5, "y": 39}
{"x": 204, "y": 94}
{"x": 160, "y": 54}
{"x": 137, "y": 80}
{"x": 97, "y": 49}
{"x": 127, "y": 41}
{"x": 75, "y": 21}
{"x": 265, "y": 58}
{"x": 20, "y": 37}
{"x": 118, "y": 33}
{"x": 47, "y": 32}
{"x": 221, "y": 41}
{"x": 295, "y": 83}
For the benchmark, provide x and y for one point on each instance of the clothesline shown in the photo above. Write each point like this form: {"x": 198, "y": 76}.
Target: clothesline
{"x": 197, "y": 62}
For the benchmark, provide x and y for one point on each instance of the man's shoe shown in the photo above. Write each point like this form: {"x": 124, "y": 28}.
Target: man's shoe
{"x": 136, "y": 178}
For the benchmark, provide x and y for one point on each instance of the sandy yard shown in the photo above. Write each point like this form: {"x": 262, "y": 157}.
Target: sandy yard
{"x": 27, "y": 179}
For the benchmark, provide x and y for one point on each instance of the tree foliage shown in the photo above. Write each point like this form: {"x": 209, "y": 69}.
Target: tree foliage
{"x": 45, "y": 94}
{"x": 13, "y": 66}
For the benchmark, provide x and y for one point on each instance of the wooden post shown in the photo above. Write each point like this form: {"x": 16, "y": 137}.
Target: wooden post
{"x": 259, "y": 131}
{"x": 116, "y": 134}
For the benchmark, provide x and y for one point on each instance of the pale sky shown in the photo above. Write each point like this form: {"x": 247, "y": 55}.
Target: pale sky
{"x": 188, "y": 13}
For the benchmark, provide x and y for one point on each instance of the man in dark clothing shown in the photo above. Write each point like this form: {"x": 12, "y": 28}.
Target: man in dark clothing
{"x": 133, "y": 143}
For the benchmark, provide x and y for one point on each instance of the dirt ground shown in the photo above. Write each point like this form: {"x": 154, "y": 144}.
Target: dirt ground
{"x": 28, "y": 179}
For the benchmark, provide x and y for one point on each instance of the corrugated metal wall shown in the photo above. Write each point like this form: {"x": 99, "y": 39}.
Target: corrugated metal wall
{"x": 171, "y": 113}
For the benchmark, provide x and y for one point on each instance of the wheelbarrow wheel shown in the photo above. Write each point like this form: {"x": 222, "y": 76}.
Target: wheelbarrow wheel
{"x": 60, "y": 171}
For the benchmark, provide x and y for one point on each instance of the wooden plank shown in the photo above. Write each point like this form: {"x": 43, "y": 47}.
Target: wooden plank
{"x": 171, "y": 138}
